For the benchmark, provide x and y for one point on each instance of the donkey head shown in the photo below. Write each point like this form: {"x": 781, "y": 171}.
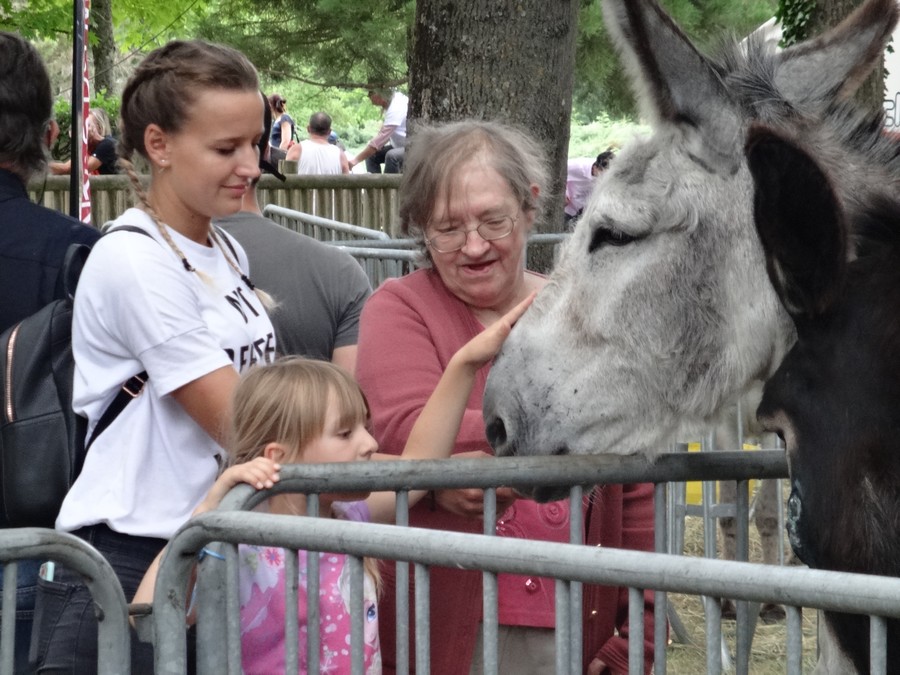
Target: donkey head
{"x": 659, "y": 311}
{"x": 835, "y": 399}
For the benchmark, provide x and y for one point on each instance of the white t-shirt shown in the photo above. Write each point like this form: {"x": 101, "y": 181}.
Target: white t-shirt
{"x": 137, "y": 309}
{"x": 319, "y": 158}
{"x": 395, "y": 116}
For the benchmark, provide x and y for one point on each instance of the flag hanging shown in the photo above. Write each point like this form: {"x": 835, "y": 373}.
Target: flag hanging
{"x": 85, "y": 210}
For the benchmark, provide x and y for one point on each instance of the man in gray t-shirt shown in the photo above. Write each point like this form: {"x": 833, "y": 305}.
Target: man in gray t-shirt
{"x": 320, "y": 289}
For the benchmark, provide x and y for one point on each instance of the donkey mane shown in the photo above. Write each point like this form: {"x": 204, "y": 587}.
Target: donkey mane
{"x": 748, "y": 70}
{"x": 877, "y": 229}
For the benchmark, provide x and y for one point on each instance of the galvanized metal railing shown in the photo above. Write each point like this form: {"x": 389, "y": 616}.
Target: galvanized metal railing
{"x": 111, "y": 609}
{"x": 570, "y": 564}
{"x": 323, "y": 229}
{"x": 794, "y": 587}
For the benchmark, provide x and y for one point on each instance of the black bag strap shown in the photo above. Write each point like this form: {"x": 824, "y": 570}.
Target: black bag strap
{"x": 128, "y": 228}
{"x": 129, "y": 391}
{"x": 73, "y": 263}
{"x": 132, "y": 387}
{"x": 224, "y": 237}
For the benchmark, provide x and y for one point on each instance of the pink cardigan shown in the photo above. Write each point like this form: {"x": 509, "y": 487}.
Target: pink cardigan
{"x": 409, "y": 330}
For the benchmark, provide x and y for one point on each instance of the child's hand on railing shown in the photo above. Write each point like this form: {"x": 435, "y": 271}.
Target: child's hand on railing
{"x": 261, "y": 473}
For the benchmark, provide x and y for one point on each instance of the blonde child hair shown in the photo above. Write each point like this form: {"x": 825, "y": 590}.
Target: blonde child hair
{"x": 286, "y": 402}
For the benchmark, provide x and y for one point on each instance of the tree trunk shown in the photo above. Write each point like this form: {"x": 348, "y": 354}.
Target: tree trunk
{"x": 831, "y": 12}
{"x": 103, "y": 47}
{"x": 507, "y": 60}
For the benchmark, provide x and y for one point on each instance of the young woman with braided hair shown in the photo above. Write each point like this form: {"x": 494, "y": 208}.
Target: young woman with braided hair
{"x": 173, "y": 303}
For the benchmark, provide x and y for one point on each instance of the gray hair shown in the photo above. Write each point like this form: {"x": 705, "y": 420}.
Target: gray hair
{"x": 436, "y": 154}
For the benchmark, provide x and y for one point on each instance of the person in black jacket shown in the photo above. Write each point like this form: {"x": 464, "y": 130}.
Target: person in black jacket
{"x": 33, "y": 239}
{"x": 102, "y": 158}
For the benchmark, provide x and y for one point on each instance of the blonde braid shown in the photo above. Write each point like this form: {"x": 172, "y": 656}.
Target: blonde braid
{"x": 144, "y": 200}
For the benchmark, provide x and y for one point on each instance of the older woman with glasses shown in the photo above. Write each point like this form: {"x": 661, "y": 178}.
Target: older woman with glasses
{"x": 470, "y": 194}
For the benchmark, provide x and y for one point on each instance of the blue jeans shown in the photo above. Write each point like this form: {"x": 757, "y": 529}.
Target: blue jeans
{"x": 65, "y": 636}
{"x": 26, "y": 590}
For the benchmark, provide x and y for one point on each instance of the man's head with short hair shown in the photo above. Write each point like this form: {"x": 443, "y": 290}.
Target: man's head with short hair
{"x": 26, "y": 107}
{"x": 380, "y": 96}
{"x": 319, "y": 124}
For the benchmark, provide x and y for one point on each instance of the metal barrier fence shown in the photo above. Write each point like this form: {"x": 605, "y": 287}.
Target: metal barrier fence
{"x": 383, "y": 263}
{"x": 368, "y": 200}
{"x": 113, "y": 640}
{"x": 323, "y": 229}
{"x": 570, "y": 564}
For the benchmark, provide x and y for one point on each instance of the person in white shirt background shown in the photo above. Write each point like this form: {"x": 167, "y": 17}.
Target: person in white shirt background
{"x": 581, "y": 173}
{"x": 317, "y": 154}
{"x": 387, "y": 146}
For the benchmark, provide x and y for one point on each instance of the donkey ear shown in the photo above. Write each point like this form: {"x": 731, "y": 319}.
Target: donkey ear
{"x": 674, "y": 83}
{"x": 835, "y": 64}
{"x": 800, "y": 224}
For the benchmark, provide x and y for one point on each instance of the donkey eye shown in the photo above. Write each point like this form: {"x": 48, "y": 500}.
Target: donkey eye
{"x": 604, "y": 236}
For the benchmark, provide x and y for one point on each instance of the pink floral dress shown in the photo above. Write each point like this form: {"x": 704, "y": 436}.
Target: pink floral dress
{"x": 262, "y": 598}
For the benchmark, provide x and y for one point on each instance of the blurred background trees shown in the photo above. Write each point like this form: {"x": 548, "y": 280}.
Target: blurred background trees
{"x": 323, "y": 53}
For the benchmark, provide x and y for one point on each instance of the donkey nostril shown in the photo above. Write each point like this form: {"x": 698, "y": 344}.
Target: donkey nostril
{"x": 496, "y": 433}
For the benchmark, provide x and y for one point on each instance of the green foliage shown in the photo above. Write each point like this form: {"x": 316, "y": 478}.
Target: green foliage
{"x": 36, "y": 18}
{"x": 341, "y": 43}
{"x": 138, "y": 25}
{"x": 321, "y": 54}
{"x": 794, "y": 16}
{"x": 591, "y": 138}
{"x": 62, "y": 111}
{"x": 601, "y": 84}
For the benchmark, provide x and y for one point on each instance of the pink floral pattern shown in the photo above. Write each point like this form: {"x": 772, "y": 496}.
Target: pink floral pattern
{"x": 262, "y": 597}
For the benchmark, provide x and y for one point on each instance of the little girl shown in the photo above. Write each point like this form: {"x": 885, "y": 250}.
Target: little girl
{"x": 299, "y": 410}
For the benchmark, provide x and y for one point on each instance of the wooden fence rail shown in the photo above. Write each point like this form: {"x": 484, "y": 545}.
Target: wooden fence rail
{"x": 368, "y": 200}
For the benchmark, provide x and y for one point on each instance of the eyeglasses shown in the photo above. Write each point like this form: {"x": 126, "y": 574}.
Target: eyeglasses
{"x": 489, "y": 230}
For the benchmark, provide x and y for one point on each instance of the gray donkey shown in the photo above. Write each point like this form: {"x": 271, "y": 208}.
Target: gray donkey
{"x": 659, "y": 312}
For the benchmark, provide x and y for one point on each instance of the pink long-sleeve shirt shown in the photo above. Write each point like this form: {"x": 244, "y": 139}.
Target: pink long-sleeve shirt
{"x": 409, "y": 330}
